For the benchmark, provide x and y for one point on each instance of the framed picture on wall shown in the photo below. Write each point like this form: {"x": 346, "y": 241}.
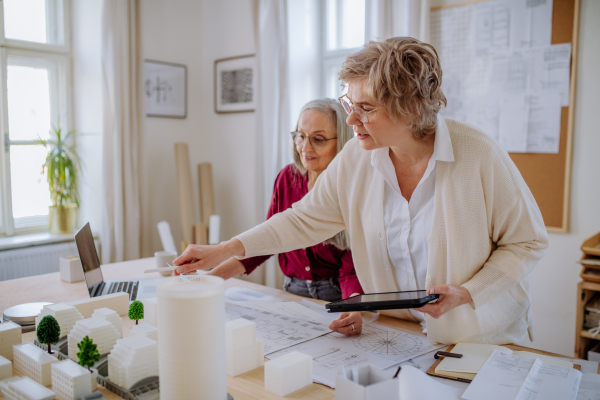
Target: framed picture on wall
{"x": 165, "y": 89}
{"x": 235, "y": 84}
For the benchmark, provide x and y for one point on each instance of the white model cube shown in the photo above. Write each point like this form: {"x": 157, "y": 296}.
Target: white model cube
{"x": 116, "y": 301}
{"x": 70, "y": 380}
{"x": 102, "y": 332}
{"x": 132, "y": 359}
{"x": 244, "y": 353}
{"x": 70, "y": 269}
{"x": 147, "y": 330}
{"x": 288, "y": 373}
{"x": 24, "y": 388}
{"x": 33, "y": 362}
{"x": 10, "y": 334}
{"x": 111, "y": 316}
{"x": 366, "y": 382}
{"x": 150, "y": 311}
{"x": 5, "y": 368}
{"x": 65, "y": 315}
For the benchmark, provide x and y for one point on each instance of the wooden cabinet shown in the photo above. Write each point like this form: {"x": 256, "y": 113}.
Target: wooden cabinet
{"x": 586, "y": 289}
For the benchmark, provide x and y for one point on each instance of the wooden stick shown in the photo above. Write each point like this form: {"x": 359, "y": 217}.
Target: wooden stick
{"x": 184, "y": 187}
{"x": 207, "y": 192}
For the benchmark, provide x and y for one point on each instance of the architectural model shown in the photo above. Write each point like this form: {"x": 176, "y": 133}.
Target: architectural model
{"x": 366, "y": 382}
{"x": 146, "y": 330}
{"x": 150, "y": 311}
{"x": 244, "y": 353}
{"x": 102, "y": 332}
{"x": 288, "y": 373}
{"x": 116, "y": 301}
{"x": 10, "y": 334}
{"x": 131, "y": 360}
{"x": 24, "y": 388}
{"x": 111, "y": 316}
{"x": 5, "y": 368}
{"x": 33, "y": 362}
{"x": 70, "y": 380}
{"x": 65, "y": 315}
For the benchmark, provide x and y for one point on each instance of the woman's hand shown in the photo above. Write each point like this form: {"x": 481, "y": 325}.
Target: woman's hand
{"x": 451, "y": 296}
{"x": 348, "y": 323}
{"x": 197, "y": 256}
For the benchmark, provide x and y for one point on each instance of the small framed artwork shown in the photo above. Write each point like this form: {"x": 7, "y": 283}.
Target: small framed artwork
{"x": 235, "y": 84}
{"x": 165, "y": 89}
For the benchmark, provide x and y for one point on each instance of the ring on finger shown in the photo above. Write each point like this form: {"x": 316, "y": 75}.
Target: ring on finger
{"x": 352, "y": 327}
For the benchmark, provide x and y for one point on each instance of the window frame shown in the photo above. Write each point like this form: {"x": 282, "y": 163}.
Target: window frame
{"x": 61, "y": 100}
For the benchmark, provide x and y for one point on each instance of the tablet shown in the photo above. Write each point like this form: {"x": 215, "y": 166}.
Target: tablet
{"x": 383, "y": 301}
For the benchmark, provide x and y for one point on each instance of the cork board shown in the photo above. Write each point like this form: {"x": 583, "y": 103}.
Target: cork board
{"x": 548, "y": 175}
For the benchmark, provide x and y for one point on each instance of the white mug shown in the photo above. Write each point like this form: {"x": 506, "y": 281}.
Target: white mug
{"x": 163, "y": 258}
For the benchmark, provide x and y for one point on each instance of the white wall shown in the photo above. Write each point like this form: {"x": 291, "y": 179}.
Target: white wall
{"x": 554, "y": 280}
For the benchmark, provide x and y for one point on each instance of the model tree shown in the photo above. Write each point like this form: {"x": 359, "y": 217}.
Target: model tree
{"x": 48, "y": 332}
{"x": 88, "y": 353}
{"x": 136, "y": 311}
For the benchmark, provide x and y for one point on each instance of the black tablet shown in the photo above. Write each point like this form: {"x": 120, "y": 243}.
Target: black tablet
{"x": 383, "y": 301}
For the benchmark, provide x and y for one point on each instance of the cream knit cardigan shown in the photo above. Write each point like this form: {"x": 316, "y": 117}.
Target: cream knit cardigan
{"x": 487, "y": 234}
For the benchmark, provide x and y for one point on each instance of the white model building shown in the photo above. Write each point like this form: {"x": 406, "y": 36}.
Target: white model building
{"x": 24, "y": 388}
{"x": 147, "y": 330}
{"x": 116, "y": 301}
{"x": 70, "y": 380}
{"x": 5, "y": 368}
{"x": 65, "y": 315}
{"x": 33, "y": 362}
{"x": 10, "y": 334}
{"x": 288, "y": 373}
{"x": 111, "y": 316}
{"x": 102, "y": 332}
{"x": 150, "y": 316}
{"x": 244, "y": 353}
{"x": 132, "y": 359}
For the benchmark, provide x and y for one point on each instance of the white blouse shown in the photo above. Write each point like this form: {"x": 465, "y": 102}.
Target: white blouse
{"x": 408, "y": 224}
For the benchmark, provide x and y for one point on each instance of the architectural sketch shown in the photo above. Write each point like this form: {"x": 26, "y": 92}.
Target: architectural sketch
{"x": 379, "y": 345}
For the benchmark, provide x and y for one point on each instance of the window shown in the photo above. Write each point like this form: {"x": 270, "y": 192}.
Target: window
{"x": 34, "y": 81}
{"x": 344, "y": 33}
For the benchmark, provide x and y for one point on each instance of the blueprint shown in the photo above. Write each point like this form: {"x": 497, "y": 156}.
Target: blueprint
{"x": 379, "y": 345}
{"x": 243, "y": 294}
{"x": 278, "y": 331}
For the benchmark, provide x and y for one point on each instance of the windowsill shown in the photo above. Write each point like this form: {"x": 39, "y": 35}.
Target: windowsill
{"x": 33, "y": 239}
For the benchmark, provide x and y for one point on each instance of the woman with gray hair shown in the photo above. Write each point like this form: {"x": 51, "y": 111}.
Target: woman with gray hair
{"x": 324, "y": 271}
{"x": 429, "y": 204}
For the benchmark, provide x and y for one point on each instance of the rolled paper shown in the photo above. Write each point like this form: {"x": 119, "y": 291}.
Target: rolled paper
{"x": 184, "y": 187}
{"x": 207, "y": 192}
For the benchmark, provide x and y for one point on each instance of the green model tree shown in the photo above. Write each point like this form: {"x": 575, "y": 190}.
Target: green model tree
{"x": 88, "y": 353}
{"x": 48, "y": 331}
{"x": 136, "y": 311}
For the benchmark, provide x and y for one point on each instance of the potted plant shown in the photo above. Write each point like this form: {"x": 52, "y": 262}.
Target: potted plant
{"x": 61, "y": 168}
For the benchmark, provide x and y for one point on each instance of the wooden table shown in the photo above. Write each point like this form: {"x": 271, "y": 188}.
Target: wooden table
{"x": 248, "y": 386}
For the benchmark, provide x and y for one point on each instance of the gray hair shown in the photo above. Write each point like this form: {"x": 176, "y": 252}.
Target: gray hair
{"x": 344, "y": 132}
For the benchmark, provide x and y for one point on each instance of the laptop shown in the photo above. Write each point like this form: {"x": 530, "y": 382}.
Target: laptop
{"x": 137, "y": 289}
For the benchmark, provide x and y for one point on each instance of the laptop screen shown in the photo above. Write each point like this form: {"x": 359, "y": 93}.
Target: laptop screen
{"x": 89, "y": 259}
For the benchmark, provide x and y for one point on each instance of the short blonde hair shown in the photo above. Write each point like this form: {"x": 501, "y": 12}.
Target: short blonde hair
{"x": 402, "y": 74}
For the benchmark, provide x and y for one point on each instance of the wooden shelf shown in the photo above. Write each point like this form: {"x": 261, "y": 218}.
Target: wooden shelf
{"x": 584, "y": 333}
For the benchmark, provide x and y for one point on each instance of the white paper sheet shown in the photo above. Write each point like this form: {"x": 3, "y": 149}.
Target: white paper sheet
{"x": 368, "y": 317}
{"x": 589, "y": 388}
{"x": 543, "y": 126}
{"x": 416, "y": 385}
{"x": 287, "y": 309}
{"x": 531, "y": 23}
{"x": 379, "y": 345}
{"x": 243, "y": 294}
{"x": 550, "y": 382}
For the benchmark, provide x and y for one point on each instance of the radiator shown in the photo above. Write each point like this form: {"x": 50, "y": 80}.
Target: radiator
{"x": 34, "y": 260}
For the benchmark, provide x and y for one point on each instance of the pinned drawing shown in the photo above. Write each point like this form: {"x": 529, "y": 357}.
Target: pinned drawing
{"x": 235, "y": 84}
{"x": 165, "y": 89}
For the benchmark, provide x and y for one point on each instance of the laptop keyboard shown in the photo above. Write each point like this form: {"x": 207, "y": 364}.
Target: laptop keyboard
{"x": 127, "y": 287}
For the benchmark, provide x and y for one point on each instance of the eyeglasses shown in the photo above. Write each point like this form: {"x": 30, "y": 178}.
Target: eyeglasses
{"x": 360, "y": 113}
{"x": 316, "y": 141}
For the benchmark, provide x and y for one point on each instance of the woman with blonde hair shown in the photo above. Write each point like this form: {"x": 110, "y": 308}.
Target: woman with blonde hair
{"x": 429, "y": 203}
{"x": 325, "y": 270}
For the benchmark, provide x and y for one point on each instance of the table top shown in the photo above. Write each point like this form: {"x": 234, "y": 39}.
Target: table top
{"x": 247, "y": 386}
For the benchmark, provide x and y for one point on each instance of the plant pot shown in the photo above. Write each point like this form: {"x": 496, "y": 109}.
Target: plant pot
{"x": 61, "y": 219}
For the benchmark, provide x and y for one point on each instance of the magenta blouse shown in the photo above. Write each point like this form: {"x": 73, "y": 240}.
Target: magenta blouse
{"x": 322, "y": 261}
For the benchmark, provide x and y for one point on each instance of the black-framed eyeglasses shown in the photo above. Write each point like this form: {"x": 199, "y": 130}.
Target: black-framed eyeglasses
{"x": 360, "y": 113}
{"x": 316, "y": 141}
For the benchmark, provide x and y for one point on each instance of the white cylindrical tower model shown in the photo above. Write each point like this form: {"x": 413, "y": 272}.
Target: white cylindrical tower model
{"x": 191, "y": 351}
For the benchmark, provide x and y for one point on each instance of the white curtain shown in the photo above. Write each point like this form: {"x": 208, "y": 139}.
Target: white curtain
{"x": 120, "y": 234}
{"x": 272, "y": 111}
{"x": 390, "y": 18}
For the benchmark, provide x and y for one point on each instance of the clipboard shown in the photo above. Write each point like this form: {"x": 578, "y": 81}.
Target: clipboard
{"x": 431, "y": 370}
